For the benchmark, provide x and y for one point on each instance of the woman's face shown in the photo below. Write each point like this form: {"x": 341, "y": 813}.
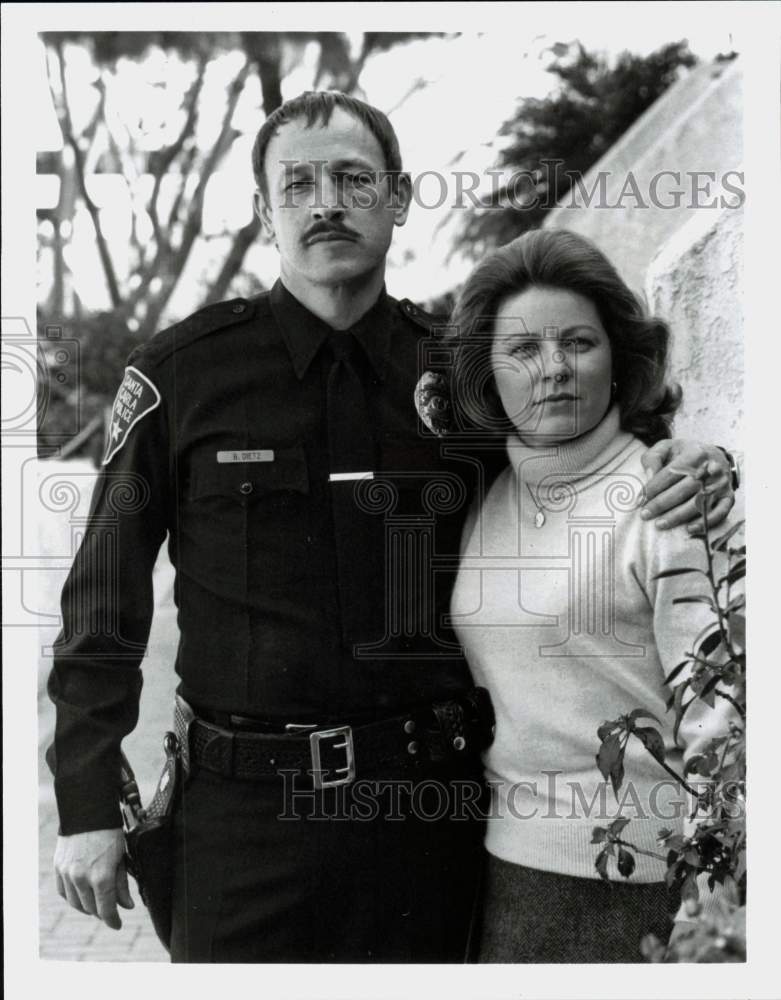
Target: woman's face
{"x": 552, "y": 364}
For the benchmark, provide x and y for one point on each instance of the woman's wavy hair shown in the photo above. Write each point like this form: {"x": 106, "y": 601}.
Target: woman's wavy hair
{"x": 557, "y": 258}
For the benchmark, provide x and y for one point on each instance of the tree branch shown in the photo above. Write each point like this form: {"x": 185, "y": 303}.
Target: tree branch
{"x": 174, "y": 264}
{"x": 66, "y": 124}
{"x": 245, "y": 237}
{"x": 262, "y": 51}
{"x": 162, "y": 161}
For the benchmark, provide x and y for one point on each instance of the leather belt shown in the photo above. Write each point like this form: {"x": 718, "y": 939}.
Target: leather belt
{"x": 335, "y": 755}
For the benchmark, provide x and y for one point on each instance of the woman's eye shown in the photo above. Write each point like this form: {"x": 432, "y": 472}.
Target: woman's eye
{"x": 576, "y": 344}
{"x": 526, "y": 349}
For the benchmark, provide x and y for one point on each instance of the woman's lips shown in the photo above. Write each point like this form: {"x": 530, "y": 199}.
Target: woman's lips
{"x": 565, "y": 398}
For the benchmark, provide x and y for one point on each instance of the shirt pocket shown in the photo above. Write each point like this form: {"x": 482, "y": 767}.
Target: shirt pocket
{"x": 246, "y": 523}
{"x": 250, "y": 482}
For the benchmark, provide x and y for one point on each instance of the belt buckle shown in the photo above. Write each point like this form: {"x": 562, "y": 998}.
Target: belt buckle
{"x": 348, "y": 771}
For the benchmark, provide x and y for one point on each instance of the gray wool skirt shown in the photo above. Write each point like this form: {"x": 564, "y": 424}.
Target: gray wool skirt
{"x": 529, "y": 916}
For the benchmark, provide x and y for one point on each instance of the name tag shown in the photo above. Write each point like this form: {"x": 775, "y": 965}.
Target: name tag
{"x": 224, "y": 457}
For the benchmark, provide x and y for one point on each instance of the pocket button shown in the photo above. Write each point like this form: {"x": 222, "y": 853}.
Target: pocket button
{"x": 245, "y": 488}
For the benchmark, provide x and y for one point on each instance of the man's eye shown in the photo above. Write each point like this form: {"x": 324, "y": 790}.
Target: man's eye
{"x": 360, "y": 179}
{"x": 299, "y": 184}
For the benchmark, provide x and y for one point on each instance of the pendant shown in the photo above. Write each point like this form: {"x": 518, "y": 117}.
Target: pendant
{"x": 539, "y": 519}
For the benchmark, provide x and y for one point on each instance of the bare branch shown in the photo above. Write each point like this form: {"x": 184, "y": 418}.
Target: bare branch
{"x": 174, "y": 264}
{"x": 245, "y": 237}
{"x": 161, "y": 162}
{"x": 66, "y": 124}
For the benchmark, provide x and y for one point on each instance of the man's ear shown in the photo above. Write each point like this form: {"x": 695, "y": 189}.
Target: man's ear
{"x": 263, "y": 213}
{"x": 402, "y": 198}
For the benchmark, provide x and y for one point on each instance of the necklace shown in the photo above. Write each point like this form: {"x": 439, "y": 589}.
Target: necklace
{"x": 539, "y": 517}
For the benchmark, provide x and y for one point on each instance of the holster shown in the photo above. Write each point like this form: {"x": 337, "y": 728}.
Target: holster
{"x": 149, "y": 844}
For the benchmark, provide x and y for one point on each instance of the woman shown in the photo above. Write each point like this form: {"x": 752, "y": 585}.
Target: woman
{"x": 557, "y": 602}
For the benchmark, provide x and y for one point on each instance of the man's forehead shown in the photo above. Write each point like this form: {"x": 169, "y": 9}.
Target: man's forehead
{"x": 343, "y": 137}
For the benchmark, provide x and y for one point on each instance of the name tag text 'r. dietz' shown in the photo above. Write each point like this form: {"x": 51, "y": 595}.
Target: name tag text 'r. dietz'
{"x": 245, "y": 456}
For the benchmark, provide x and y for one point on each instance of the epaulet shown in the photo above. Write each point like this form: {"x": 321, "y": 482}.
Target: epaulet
{"x": 211, "y": 319}
{"x": 418, "y": 315}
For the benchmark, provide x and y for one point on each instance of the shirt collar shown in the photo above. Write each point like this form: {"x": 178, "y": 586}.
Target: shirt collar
{"x": 304, "y": 333}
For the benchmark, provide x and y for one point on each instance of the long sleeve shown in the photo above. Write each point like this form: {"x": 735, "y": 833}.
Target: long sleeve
{"x": 107, "y": 605}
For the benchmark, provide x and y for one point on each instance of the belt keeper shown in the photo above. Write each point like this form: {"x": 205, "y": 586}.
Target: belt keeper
{"x": 183, "y": 720}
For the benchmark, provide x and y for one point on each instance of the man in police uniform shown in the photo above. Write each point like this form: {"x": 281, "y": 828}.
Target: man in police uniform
{"x": 275, "y": 443}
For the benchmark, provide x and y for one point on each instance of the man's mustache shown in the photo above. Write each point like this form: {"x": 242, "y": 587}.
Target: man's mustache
{"x": 329, "y": 229}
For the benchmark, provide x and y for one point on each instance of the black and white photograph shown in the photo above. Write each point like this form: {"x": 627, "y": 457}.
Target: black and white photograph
{"x": 385, "y": 417}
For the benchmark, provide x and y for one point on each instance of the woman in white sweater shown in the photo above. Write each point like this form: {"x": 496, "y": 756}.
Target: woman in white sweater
{"x": 557, "y": 602}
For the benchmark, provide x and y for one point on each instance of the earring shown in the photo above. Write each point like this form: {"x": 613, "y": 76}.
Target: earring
{"x": 613, "y": 389}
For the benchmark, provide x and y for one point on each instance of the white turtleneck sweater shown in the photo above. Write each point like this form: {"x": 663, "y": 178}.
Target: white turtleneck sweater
{"x": 567, "y": 627}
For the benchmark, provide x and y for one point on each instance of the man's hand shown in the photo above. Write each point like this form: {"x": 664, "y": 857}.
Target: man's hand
{"x": 90, "y": 873}
{"x": 673, "y": 494}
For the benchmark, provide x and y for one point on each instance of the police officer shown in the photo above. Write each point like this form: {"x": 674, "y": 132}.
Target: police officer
{"x": 330, "y": 730}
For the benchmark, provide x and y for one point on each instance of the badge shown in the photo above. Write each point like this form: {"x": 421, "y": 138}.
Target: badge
{"x": 137, "y": 396}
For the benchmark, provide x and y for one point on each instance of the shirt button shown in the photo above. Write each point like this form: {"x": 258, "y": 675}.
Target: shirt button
{"x": 246, "y": 488}
{"x": 239, "y": 307}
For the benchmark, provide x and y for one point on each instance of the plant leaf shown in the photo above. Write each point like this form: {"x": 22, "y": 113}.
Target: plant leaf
{"x": 699, "y": 599}
{"x": 641, "y": 713}
{"x": 617, "y": 774}
{"x": 737, "y": 602}
{"x": 737, "y": 628}
{"x": 721, "y": 542}
{"x": 675, "y": 671}
{"x": 608, "y": 754}
{"x": 680, "y": 707}
{"x": 708, "y": 693}
{"x": 598, "y": 835}
{"x": 606, "y": 729}
{"x": 601, "y": 865}
{"x": 652, "y": 740}
{"x": 626, "y": 862}
{"x": 678, "y": 572}
{"x": 710, "y": 643}
{"x": 618, "y": 825}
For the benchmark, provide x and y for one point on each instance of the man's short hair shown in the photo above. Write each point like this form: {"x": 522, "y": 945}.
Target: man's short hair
{"x": 317, "y": 106}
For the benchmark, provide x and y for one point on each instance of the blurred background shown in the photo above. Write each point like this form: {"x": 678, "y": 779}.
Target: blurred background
{"x": 144, "y": 214}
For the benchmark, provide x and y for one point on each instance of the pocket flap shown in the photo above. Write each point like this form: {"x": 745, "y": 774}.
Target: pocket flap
{"x": 244, "y": 480}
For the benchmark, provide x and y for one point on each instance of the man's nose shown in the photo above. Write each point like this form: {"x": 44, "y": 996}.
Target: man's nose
{"x": 329, "y": 203}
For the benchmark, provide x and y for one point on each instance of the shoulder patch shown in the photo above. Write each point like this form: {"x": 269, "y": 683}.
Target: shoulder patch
{"x": 137, "y": 396}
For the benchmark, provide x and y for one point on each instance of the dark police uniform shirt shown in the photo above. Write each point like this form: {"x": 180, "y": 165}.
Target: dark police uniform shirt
{"x": 218, "y": 441}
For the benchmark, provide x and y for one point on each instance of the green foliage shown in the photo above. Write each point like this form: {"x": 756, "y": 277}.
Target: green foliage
{"x": 554, "y": 140}
{"x": 716, "y": 668}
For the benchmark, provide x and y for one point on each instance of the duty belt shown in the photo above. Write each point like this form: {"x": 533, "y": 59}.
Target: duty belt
{"x": 335, "y": 755}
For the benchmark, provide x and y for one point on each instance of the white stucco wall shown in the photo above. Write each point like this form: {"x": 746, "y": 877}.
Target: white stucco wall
{"x": 687, "y": 260}
{"x": 695, "y": 283}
